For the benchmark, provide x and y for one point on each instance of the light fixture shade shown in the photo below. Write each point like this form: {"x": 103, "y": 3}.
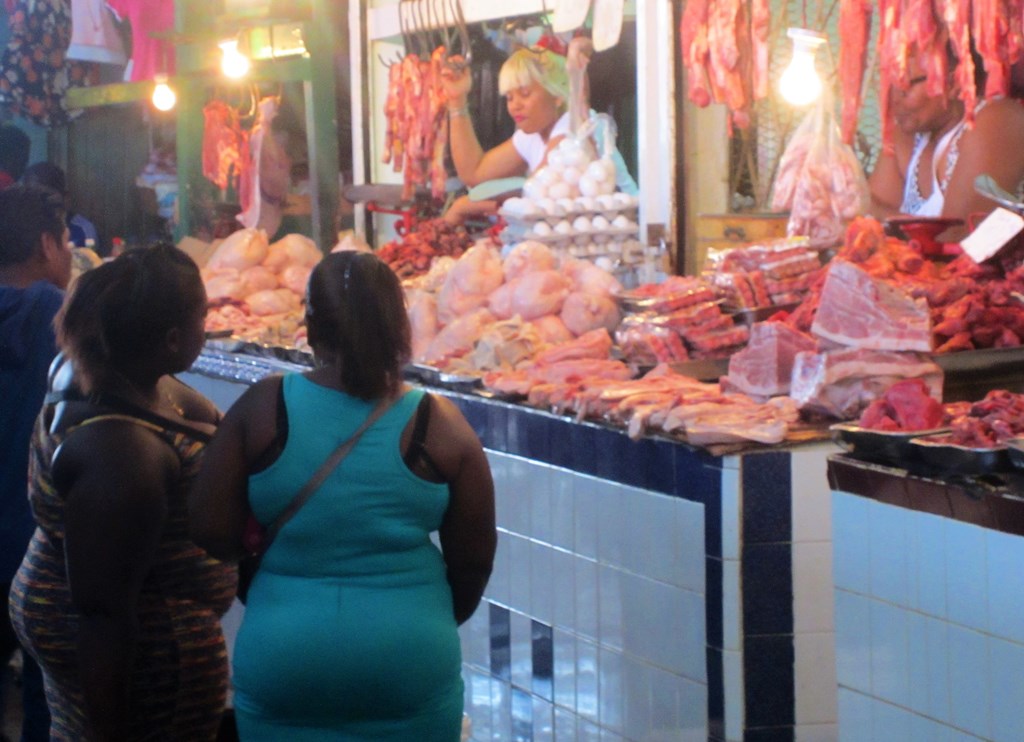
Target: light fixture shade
{"x": 800, "y": 83}
{"x": 164, "y": 98}
{"x": 233, "y": 63}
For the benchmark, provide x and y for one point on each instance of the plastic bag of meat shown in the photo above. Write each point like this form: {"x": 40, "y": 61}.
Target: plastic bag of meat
{"x": 820, "y": 179}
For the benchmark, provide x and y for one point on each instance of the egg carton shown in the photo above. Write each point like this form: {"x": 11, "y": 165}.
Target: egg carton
{"x": 531, "y": 210}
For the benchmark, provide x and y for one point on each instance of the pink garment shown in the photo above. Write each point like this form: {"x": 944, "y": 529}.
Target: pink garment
{"x": 146, "y": 17}
{"x": 93, "y": 35}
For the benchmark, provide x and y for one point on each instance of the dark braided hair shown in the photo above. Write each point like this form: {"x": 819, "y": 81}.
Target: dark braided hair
{"x": 123, "y": 309}
{"x": 27, "y": 212}
{"x": 355, "y": 307}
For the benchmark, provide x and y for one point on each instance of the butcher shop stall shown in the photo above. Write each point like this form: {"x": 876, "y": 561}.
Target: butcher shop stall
{"x": 755, "y": 443}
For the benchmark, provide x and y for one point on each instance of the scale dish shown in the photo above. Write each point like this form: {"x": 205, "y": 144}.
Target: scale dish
{"x": 885, "y": 446}
{"x": 939, "y": 452}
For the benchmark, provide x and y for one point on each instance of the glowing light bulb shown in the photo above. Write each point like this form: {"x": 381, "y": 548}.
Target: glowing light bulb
{"x": 233, "y": 64}
{"x": 163, "y": 96}
{"x": 800, "y": 83}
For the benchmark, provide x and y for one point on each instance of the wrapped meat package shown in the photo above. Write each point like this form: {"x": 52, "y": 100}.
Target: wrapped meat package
{"x": 819, "y": 181}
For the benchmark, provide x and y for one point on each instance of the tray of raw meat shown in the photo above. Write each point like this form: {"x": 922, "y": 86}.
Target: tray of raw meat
{"x": 943, "y": 453}
{"x": 884, "y": 446}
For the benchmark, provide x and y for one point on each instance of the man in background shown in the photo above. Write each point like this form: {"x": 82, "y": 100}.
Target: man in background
{"x": 35, "y": 266}
{"x": 53, "y": 177}
{"x": 14, "y": 149}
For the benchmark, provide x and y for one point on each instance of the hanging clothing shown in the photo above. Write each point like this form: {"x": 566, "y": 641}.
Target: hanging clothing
{"x": 94, "y": 38}
{"x": 148, "y": 18}
{"x": 34, "y": 70}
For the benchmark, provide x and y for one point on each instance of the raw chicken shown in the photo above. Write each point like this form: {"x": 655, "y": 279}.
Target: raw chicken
{"x": 295, "y": 277}
{"x": 500, "y": 300}
{"x": 582, "y": 312}
{"x": 292, "y": 249}
{"x": 539, "y": 293}
{"x": 528, "y": 256}
{"x": 276, "y": 301}
{"x": 458, "y": 337}
{"x": 552, "y": 329}
{"x": 225, "y": 284}
{"x": 423, "y": 321}
{"x": 587, "y": 277}
{"x": 257, "y": 278}
{"x": 240, "y": 250}
{"x": 467, "y": 286}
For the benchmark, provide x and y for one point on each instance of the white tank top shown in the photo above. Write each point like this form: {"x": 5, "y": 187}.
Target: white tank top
{"x": 913, "y": 201}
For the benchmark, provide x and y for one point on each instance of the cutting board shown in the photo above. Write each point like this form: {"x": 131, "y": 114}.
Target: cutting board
{"x": 569, "y": 15}
{"x": 607, "y": 23}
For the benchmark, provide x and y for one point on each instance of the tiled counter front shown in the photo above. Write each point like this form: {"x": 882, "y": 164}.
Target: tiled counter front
{"x": 929, "y": 602}
{"x": 643, "y": 590}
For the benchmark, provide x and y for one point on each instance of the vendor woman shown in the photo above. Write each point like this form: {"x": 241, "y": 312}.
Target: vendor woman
{"x": 535, "y": 84}
{"x": 937, "y": 155}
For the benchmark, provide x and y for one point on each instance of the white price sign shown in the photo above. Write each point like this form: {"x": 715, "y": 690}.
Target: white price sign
{"x": 997, "y": 229}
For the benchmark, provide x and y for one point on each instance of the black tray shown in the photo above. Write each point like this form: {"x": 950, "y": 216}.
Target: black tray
{"x": 883, "y": 446}
{"x": 950, "y": 458}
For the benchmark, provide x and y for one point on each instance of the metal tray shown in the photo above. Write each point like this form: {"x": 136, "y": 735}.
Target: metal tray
{"x": 1015, "y": 450}
{"x": 938, "y": 452}
{"x": 884, "y": 446}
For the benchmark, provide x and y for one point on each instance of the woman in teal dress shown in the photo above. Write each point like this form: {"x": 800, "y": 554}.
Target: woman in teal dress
{"x": 350, "y": 629}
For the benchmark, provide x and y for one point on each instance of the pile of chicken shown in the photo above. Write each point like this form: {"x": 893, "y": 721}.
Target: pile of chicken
{"x": 481, "y": 313}
{"x": 972, "y": 306}
{"x": 255, "y": 288}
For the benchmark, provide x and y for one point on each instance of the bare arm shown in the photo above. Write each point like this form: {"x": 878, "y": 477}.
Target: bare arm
{"x": 887, "y": 181}
{"x": 114, "y": 515}
{"x": 219, "y": 500}
{"x": 468, "y": 534}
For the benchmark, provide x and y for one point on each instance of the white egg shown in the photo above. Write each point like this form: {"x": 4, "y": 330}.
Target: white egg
{"x": 588, "y": 186}
{"x": 597, "y": 171}
{"x": 556, "y": 158}
{"x": 605, "y": 263}
{"x": 542, "y": 229}
{"x": 568, "y": 205}
{"x": 606, "y": 186}
{"x": 622, "y": 222}
{"x": 545, "y": 176}
{"x": 581, "y": 224}
{"x": 563, "y": 228}
{"x": 606, "y": 202}
{"x": 623, "y": 200}
{"x": 571, "y": 175}
{"x": 534, "y": 190}
{"x": 544, "y": 204}
{"x": 599, "y": 222}
{"x": 529, "y": 208}
{"x": 586, "y": 203}
{"x": 609, "y": 167}
{"x": 559, "y": 189}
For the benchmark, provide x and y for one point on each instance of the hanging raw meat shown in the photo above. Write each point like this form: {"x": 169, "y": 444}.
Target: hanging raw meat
{"x": 854, "y": 30}
{"x": 922, "y": 33}
{"x": 224, "y": 144}
{"x": 266, "y": 175}
{"x": 693, "y": 32}
{"x": 990, "y": 26}
{"x": 957, "y": 16}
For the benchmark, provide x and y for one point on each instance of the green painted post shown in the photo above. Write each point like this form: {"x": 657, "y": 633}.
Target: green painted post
{"x": 321, "y": 42}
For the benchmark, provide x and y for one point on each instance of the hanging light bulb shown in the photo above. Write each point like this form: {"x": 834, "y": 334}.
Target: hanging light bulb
{"x": 800, "y": 83}
{"x": 163, "y": 96}
{"x": 233, "y": 63}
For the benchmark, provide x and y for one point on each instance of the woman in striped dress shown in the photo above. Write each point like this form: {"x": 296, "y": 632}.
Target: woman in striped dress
{"x": 121, "y": 609}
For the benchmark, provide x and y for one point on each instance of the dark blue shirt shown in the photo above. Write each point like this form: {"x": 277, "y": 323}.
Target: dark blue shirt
{"x": 27, "y": 347}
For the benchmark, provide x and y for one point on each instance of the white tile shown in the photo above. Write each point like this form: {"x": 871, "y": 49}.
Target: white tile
{"x": 731, "y": 514}
{"x": 476, "y": 637}
{"x": 812, "y": 503}
{"x": 542, "y": 583}
{"x": 817, "y": 733}
{"x": 1007, "y": 690}
{"x": 503, "y": 486}
{"x": 665, "y": 708}
{"x": 521, "y": 646}
{"x": 735, "y": 696}
{"x": 612, "y": 537}
{"x": 815, "y": 678}
{"x": 689, "y": 520}
{"x": 929, "y": 730}
{"x": 610, "y": 693}
{"x": 850, "y": 542}
{"x": 563, "y": 578}
{"x": 930, "y": 556}
{"x": 501, "y": 708}
{"x": 586, "y": 598}
{"x": 643, "y": 632}
{"x": 543, "y": 721}
{"x": 517, "y": 494}
{"x": 917, "y": 657}
{"x": 587, "y": 684}
{"x": 636, "y": 698}
{"x": 732, "y": 608}
{"x": 966, "y": 575}
{"x": 855, "y": 715}
{"x": 587, "y": 731}
{"x": 564, "y": 669}
{"x": 519, "y": 573}
{"x": 937, "y": 639}
{"x": 853, "y": 641}
{"x": 540, "y": 503}
{"x": 890, "y": 722}
{"x": 1006, "y": 585}
{"x": 731, "y": 462}
{"x": 889, "y": 663}
{"x": 611, "y": 607}
{"x": 563, "y": 523}
{"x": 585, "y": 504}
{"x": 969, "y": 680}
{"x": 693, "y": 711}
{"x": 886, "y": 534}
{"x": 655, "y": 549}
{"x": 813, "y": 609}
{"x": 498, "y": 587}
{"x": 478, "y": 703}
{"x": 690, "y": 630}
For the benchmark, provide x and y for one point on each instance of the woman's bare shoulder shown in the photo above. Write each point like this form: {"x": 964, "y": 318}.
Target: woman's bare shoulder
{"x": 1003, "y": 117}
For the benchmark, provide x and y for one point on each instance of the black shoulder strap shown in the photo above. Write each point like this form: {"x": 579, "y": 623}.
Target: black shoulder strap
{"x": 123, "y": 406}
{"x": 417, "y": 450}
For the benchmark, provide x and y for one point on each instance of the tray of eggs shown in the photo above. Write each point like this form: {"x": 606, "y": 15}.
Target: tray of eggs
{"x": 582, "y": 220}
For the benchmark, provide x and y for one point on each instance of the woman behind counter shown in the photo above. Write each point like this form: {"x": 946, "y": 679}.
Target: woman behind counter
{"x": 937, "y": 155}
{"x": 535, "y": 84}
{"x": 120, "y": 609}
{"x": 350, "y": 629}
